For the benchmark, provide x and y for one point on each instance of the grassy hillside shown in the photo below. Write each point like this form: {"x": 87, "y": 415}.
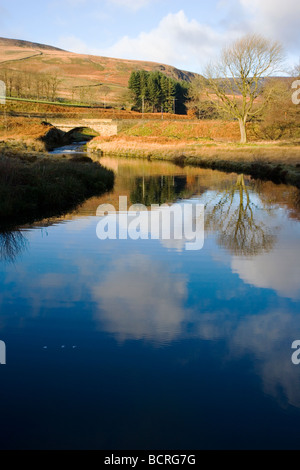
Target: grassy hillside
{"x": 86, "y": 77}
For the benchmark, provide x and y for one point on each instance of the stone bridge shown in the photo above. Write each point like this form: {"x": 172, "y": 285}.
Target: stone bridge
{"x": 105, "y": 127}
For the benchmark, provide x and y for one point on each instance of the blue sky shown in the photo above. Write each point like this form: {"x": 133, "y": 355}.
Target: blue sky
{"x": 184, "y": 34}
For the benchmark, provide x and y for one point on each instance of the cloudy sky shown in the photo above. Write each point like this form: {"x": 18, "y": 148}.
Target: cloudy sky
{"x": 184, "y": 34}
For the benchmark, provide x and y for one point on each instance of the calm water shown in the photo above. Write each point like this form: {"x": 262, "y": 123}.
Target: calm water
{"x": 144, "y": 345}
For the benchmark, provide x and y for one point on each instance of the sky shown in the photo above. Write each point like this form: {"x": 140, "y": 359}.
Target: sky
{"x": 185, "y": 34}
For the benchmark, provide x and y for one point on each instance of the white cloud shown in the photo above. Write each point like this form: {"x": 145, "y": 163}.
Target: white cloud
{"x": 274, "y": 18}
{"x": 189, "y": 44}
{"x": 176, "y": 40}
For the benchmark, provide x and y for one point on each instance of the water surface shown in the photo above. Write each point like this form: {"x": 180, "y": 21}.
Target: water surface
{"x": 123, "y": 344}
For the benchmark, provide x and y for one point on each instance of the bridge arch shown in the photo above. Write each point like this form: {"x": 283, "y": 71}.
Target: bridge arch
{"x": 105, "y": 127}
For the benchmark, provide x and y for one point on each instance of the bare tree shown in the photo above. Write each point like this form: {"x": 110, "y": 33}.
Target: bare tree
{"x": 198, "y": 104}
{"x": 296, "y": 70}
{"x": 126, "y": 98}
{"x": 280, "y": 117}
{"x": 237, "y": 77}
{"x": 54, "y": 82}
{"x": 195, "y": 94}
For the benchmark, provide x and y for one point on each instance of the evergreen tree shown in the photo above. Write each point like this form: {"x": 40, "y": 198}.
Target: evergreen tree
{"x": 144, "y": 93}
{"x": 153, "y": 90}
{"x": 164, "y": 85}
{"x": 171, "y": 96}
{"x": 135, "y": 86}
{"x": 181, "y": 97}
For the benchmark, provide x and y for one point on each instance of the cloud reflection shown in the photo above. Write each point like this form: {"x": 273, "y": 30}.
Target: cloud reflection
{"x": 278, "y": 270}
{"x": 141, "y": 299}
{"x": 267, "y": 338}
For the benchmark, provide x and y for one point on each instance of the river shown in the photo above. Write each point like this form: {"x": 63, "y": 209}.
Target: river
{"x": 142, "y": 344}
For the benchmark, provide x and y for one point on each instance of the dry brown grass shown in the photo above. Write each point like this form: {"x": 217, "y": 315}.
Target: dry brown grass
{"x": 22, "y": 127}
{"x": 150, "y": 147}
{"x": 73, "y": 112}
{"x": 77, "y": 69}
{"x": 23, "y": 133}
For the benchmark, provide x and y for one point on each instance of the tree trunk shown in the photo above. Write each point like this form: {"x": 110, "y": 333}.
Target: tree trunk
{"x": 243, "y": 131}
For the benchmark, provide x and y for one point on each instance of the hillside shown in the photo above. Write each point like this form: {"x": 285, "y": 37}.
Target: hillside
{"x": 78, "y": 75}
{"x": 26, "y": 44}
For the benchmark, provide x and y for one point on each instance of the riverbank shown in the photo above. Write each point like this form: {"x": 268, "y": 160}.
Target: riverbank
{"x": 33, "y": 186}
{"x": 30, "y": 134}
{"x": 275, "y": 161}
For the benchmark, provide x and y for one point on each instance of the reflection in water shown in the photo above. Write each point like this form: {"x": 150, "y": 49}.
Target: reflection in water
{"x": 232, "y": 214}
{"x": 226, "y": 316}
{"x": 141, "y": 299}
{"x": 12, "y": 244}
{"x": 266, "y": 337}
{"x": 278, "y": 270}
{"x": 297, "y": 199}
{"x": 158, "y": 189}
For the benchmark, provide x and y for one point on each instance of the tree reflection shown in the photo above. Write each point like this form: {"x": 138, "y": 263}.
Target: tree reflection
{"x": 232, "y": 214}
{"x": 11, "y": 245}
{"x": 158, "y": 189}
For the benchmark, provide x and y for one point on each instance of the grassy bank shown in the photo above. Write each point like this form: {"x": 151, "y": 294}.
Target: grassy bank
{"x": 35, "y": 187}
{"x": 33, "y": 135}
{"x": 28, "y": 134}
{"x": 275, "y": 161}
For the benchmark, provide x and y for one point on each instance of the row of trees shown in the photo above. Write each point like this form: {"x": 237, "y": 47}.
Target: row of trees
{"x": 91, "y": 95}
{"x": 25, "y": 84}
{"x": 155, "y": 92}
{"x": 45, "y": 86}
